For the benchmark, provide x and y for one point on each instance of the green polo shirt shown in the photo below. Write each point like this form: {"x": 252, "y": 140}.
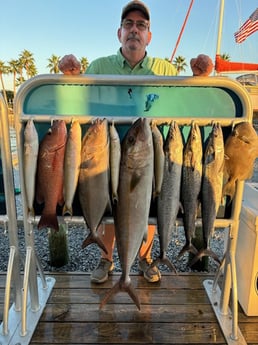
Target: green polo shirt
{"x": 117, "y": 64}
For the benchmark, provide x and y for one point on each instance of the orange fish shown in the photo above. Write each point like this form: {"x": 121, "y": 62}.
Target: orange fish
{"x": 50, "y": 173}
{"x": 241, "y": 150}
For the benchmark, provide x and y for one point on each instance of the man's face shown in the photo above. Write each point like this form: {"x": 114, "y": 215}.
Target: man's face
{"x": 134, "y": 33}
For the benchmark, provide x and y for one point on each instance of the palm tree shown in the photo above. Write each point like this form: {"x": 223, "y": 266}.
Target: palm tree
{"x": 53, "y": 64}
{"x": 225, "y": 56}
{"x": 27, "y": 62}
{"x": 3, "y": 70}
{"x": 14, "y": 69}
{"x": 180, "y": 64}
{"x": 84, "y": 64}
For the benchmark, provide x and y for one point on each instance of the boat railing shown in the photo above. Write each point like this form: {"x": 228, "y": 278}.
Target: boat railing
{"x": 122, "y": 99}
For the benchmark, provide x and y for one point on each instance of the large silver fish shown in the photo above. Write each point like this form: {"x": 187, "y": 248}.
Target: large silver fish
{"x": 94, "y": 178}
{"x": 211, "y": 190}
{"x": 50, "y": 173}
{"x": 134, "y": 198}
{"x": 169, "y": 199}
{"x": 191, "y": 185}
{"x": 72, "y": 162}
{"x": 159, "y": 158}
{"x": 115, "y": 157}
{"x": 241, "y": 150}
{"x": 30, "y": 157}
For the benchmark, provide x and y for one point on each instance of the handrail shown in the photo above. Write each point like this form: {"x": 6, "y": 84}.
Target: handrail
{"x": 229, "y": 90}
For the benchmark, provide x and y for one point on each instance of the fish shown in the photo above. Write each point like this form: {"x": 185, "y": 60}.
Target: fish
{"x": 94, "y": 178}
{"x": 168, "y": 202}
{"x": 50, "y": 173}
{"x": 211, "y": 190}
{"x": 134, "y": 199}
{"x": 115, "y": 157}
{"x": 241, "y": 150}
{"x": 191, "y": 185}
{"x": 72, "y": 161}
{"x": 159, "y": 159}
{"x": 30, "y": 157}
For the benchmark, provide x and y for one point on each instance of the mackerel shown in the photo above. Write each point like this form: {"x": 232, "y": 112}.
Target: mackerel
{"x": 211, "y": 191}
{"x": 169, "y": 198}
{"x": 191, "y": 185}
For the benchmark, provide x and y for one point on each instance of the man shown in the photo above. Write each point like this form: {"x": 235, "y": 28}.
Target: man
{"x": 134, "y": 35}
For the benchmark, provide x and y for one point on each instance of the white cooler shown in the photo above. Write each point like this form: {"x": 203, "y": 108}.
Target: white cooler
{"x": 247, "y": 251}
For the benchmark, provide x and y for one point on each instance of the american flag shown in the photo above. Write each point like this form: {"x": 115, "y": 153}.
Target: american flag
{"x": 248, "y": 28}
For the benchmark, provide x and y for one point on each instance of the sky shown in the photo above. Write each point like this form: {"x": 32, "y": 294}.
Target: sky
{"x": 88, "y": 28}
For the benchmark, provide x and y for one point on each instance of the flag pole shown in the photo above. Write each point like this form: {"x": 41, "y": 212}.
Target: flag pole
{"x": 221, "y": 16}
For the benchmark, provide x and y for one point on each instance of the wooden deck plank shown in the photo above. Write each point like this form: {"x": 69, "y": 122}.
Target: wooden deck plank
{"x": 174, "y": 311}
{"x": 128, "y": 333}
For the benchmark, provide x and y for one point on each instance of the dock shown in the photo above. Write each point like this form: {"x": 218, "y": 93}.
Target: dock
{"x": 173, "y": 311}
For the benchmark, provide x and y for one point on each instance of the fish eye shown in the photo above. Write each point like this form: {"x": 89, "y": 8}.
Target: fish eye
{"x": 131, "y": 139}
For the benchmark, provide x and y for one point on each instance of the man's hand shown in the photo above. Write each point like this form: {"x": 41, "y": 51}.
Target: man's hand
{"x": 69, "y": 65}
{"x": 202, "y": 65}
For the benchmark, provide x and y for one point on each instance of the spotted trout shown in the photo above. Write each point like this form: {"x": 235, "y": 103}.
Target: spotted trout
{"x": 50, "y": 173}
{"x": 211, "y": 190}
{"x": 191, "y": 185}
{"x": 168, "y": 201}
{"x": 134, "y": 198}
{"x": 94, "y": 178}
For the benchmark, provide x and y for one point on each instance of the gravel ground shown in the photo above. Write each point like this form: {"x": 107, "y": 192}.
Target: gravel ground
{"x": 85, "y": 260}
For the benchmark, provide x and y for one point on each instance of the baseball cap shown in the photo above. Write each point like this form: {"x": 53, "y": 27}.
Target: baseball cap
{"x": 135, "y": 6}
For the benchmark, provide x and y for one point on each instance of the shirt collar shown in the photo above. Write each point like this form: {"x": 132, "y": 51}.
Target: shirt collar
{"x": 122, "y": 60}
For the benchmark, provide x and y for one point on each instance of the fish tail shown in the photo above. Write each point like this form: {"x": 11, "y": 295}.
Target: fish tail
{"x": 67, "y": 210}
{"x": 190, "y": 248}
{"x": 165, "y": 261}
{"x": 121, "y": 286}
{"x": 94, "y": 239}
{"x": 48, "y": 221}
{"x": 202, "y": 253}
{"x": 31, "y": 212}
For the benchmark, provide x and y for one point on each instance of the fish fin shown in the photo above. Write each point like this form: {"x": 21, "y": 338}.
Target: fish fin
{"x": 134, "y": 181}
{"x": 244, "y": 139}
{"x": 190, "y": 248}
{"x": 114, "y": 290}
{"x": 229, "y": 189}
{"x": 67, "y": 210}
{"x": 114, "y": 198}
{"x": 123, "y": 287}
{"x": 202, "y": 253}
{"x": 31, "y": 212}
{"x": 48, "y": 221}
{"x": 94, "y": 239}
{"x": 165, "y": 261}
